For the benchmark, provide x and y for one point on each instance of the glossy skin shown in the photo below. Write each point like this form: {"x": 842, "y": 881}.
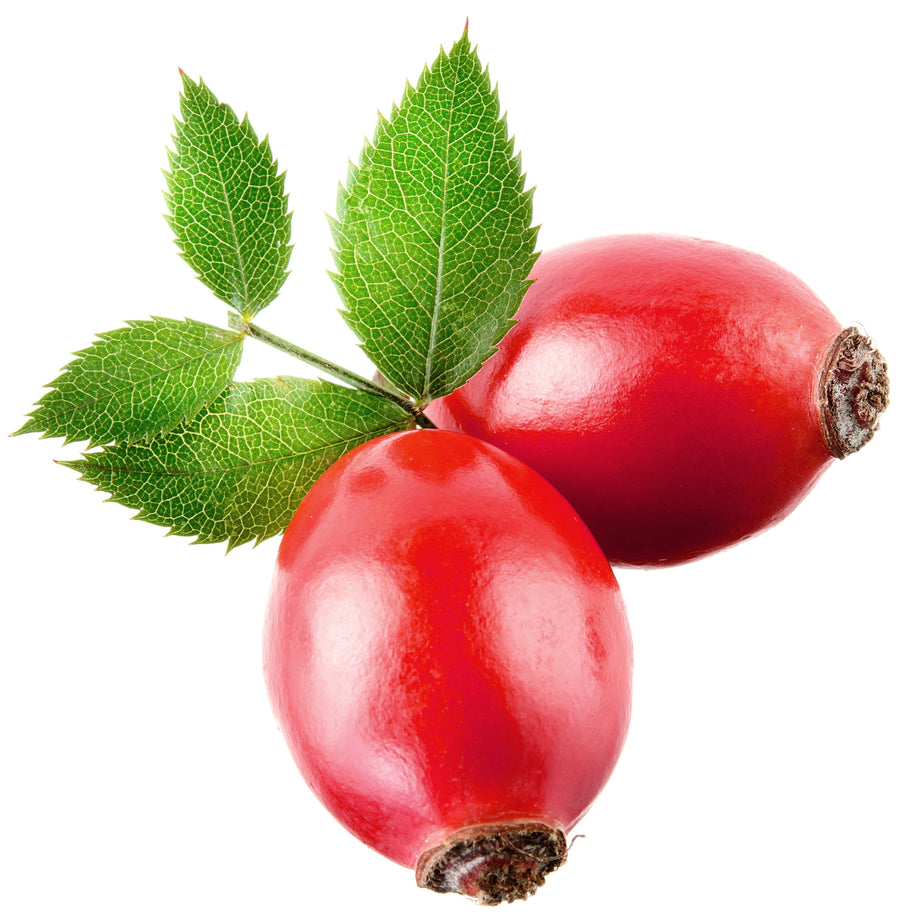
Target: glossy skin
{"x": 666, "y": 386}
{"x": 446, "y": 645}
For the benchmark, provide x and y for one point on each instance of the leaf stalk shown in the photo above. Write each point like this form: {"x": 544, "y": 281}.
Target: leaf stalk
{"x": 333, "y": 369}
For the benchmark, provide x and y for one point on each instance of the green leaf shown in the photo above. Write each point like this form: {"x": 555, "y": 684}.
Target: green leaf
{"x": 227, "y": 203}
{"x": 138, "y": 381}
{"x": 433, "y": 235}
{"x": 238, "y": 471}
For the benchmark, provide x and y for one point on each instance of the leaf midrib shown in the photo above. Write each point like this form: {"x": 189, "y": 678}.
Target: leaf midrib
{"x": 124, "y": 469}
{"x": 131, "y": 385}
{"x": 439, "y": 278}
{"x": 244, "y": 292}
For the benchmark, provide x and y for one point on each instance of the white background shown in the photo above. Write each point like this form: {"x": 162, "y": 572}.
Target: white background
{"x": 142, "y": 773}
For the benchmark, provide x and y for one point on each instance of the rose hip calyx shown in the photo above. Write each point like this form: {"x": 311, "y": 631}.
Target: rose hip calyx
{"x": 493, "y": 863}
{"x": 853, "y": 392}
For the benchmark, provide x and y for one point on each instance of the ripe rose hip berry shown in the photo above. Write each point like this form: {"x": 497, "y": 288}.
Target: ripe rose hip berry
{"x": 681, "y": 394}
{"x": 447, "y": 653}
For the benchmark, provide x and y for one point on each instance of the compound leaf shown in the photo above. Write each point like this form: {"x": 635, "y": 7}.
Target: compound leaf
{"x": 227, "y": 203}
{"x": 137, "y": 382}
{"x": 433, "y": 235}
{"x": 238, "y": 471}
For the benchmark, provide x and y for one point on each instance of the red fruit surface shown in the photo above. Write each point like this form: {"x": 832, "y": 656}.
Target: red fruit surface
{"x": 681, "y": 394}
{"x": 446, "y": 649}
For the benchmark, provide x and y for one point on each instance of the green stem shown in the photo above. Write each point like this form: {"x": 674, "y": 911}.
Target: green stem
{"x": 333, "y": 369}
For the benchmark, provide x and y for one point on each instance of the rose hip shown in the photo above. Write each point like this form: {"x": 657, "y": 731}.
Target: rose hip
{"x": 681, "y": 394}
{"x": 447, "y": 654}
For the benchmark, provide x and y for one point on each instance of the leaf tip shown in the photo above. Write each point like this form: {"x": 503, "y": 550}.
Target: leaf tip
{"x": 462, "y": 45}
{"x": 186, "y": 81}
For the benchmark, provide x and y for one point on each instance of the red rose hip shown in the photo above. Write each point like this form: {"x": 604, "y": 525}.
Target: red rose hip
{"x": 681, "y": 394}
{"x": 447, "y": 653}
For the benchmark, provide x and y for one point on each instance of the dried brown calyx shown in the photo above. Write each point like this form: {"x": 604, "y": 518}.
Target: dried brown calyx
{"x": 493, "y": 863}
{"x": 853, "y": 392}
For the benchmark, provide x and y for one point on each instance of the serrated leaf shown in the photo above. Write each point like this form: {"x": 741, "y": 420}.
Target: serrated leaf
{"x": 433, "y": 235}
{"x": 238, "y": 471}
{"x": 138, "y": 381}
{"x": 227, "y": 203}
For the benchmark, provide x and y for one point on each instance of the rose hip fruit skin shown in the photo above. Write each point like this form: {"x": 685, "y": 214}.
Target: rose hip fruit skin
{"x": 681, "y": 394}
{"x": 447, "y": 654}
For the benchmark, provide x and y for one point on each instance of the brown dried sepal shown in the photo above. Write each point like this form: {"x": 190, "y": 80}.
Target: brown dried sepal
{"x": 853, "y": 392}
{"x": 493, "y": 863}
